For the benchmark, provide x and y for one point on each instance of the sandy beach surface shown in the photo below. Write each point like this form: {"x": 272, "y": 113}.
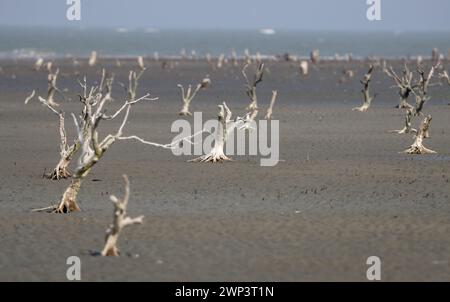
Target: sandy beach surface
{"x": 342, "y": 191}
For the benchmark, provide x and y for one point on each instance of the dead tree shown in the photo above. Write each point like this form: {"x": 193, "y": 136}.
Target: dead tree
{"x": 314, "y": 56}
{"x": 133, "y": 82}
{"x": 444, "y": 75}
{"x": 422, "y": 86}
{"x": 367, "y": 98}
{"x": 234, "y": 59}
{"x": 247, "y": 57}
{"x": 66, "y": 151}
{"x": 92, "y": 148}
{"x": 38, "y": 64}
{"x": 220, "y": 61}
{"x": 407, "y": 129}
{"x": 304, "y": 70}
{"x": 106, "y": 84}
{"x": 419, "y": 89}
{"x": 272, "y": 102}
{"x": 404, "y": 84}
{"x": 141, "y": 64}
{"x": 225, "y": 126}
{"x": 189, "y": 94}
{"x": 417, "y": 147}
{"x": 251, "y": 87}
{"x": 120, "y": 220}
{"x": 49, "y": 66}
{"x": 435, "y": 55}
{"x": 93, "y": 58}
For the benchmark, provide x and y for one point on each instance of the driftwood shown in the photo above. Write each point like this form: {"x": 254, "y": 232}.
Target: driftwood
{"x": 417, "y": 147}
{"x": 367, "y": 97}
{"x": 120, "y": 220}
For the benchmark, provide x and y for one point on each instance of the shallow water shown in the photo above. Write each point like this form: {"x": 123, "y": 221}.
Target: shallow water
{"x": 60, "y": 42}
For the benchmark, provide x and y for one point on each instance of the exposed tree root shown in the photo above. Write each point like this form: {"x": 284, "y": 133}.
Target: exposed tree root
{"x": 60, "y": 172}
{"x": 418, "y": 147}
{"x": 213, "y": 157}
{"x": 407, "y": 129}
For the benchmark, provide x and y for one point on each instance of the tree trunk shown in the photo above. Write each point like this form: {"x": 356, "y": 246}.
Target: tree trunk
{"x": 185, "y": 110}
{"x": 110, "y": 248}
{"x": 407, "y": 128}
{"x": 418, "y": 147}
{"x": 68, "y": 202}
{"x": 61, "y": 170}
{"x": 217, "y": 154}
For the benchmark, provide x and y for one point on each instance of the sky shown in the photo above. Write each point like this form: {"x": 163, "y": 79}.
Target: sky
{"x": 334, "y": 15}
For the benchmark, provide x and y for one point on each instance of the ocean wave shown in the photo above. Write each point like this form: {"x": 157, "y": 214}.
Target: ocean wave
{"x": 27, "y": 53}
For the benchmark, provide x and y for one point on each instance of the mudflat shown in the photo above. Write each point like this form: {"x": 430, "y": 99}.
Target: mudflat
{"x": 341, "y": 192}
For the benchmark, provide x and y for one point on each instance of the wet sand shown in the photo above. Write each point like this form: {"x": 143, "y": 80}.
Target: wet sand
{"x": 341, "y": 193}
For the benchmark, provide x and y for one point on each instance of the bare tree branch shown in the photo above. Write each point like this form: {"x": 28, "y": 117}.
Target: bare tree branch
{"x": 251, "y": 86}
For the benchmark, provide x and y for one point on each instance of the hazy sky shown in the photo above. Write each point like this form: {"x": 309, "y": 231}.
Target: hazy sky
{"x": 397, "y": 15}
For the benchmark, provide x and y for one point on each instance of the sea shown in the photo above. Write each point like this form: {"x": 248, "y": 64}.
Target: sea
{"x": 51, "y": 42}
